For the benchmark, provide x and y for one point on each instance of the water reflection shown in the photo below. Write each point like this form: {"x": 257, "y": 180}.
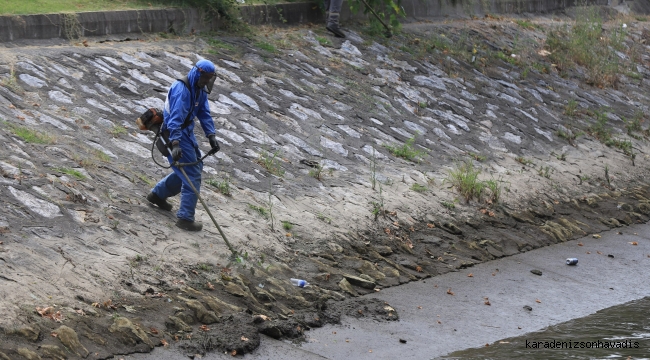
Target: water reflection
{"x": 619, "y": 332}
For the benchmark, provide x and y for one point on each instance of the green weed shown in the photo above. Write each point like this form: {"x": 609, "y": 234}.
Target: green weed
{"x": 570, "y": 108}
{"x": 624, "y": 145}
{"x": 287, "y": 225}
{"x": 260, "y": 210}
{"x": 271, "y": 162}
{"x": 448, "y": 205}
{"x": 324, "y": 218}
{"x": 266, "y": 46}
{"x": 586, "y": 44}
{"x": 406, "y": 151}
{"x": 323, "y": 41}
{"x": 72, "y": 172}
{"x": 418, "y": 188}
{"x": 222, "y": 185}
{"x": 118, "y": 130}
{"x": 545, "y": 171}
{"x": 31, "y": 136}
{"x": 464, "y": 177}
{"x": 526, "y": 24}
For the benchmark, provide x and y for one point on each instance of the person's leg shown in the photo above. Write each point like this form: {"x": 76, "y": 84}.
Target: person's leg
{"x": 189, "y": 199}
{"x": 333, "y": 18}
{"x": 326, "y": 4}
{"x": 167, "y": 187}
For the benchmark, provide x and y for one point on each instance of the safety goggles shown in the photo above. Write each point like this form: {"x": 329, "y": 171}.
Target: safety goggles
{"x": 206, "y": 80}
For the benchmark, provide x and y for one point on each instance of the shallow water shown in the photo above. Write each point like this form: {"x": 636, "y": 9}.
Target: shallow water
{"x": 627, "y": 327}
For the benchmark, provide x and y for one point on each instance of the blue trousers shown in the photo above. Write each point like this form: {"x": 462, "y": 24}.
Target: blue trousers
{"x": 176, "y": 183}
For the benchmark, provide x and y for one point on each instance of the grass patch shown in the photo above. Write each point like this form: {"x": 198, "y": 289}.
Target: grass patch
{"x": 323, "y": 41}
{"x": 17, "y": 7}
{"x": 570, "y": 108}
{"x": 264, "y": 212}
{"x": 118, "y": 130}
{"x": 418, "y": 188}
{"x": 406, "y": 151}
{"x": 316, "y": 172}
{"x": 448, "y": 205}
{"x": 624, "y": 145}
{"x": 222, "y": 185}
{"x": 31, "y": 136}
{"x": 586, "y": 44}
{"x": 287, "y": 225}
{"x": 477, "y": 157}
{"x": 266, "y": 46}
{"x": 324, "y": 218}
{"x": 599, "y": 130}
{"x": 271, "y": 162}
{"x": 545, "y": 171}
{"x": 101, "y": 156}
{"x": 72, "y": 172}
{"x": 526, "y": 24}
{"x": 465, "y": 179}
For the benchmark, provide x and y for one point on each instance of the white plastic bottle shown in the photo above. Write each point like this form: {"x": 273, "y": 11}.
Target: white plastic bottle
{"x": 299, "y": 283}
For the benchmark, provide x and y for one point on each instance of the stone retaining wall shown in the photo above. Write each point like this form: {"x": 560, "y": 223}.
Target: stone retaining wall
{"x": 183, "y": 21}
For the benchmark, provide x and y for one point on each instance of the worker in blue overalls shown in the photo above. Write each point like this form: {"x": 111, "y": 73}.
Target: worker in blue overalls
{"x": 187, "y": 99}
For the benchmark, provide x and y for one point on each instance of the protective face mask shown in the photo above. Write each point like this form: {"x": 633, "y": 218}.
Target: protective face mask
{"x": 206, "y": 80}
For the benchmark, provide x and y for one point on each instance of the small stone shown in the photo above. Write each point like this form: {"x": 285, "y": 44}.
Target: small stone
{"x": 528, "y": 308}
{"x": 28, "y": 333}
{"x": 28, "y": 354}
{"x": 54, "y": 352}
{"x": 70, "y": 340}
{"x": 402, "y": 341}
{"x": 358, "y": 281}
{"x": 347, "y": 287}
{"x": 536, "y": 272}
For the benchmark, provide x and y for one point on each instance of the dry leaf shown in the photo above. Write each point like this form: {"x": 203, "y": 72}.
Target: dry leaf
{"x": 418, "y": 268}
{"x": 195, "y": 272}
{"x": 450, "y": 292}
{"x": 439, "y": 322}
{"x": 153, "y": 330}
{"x": 596, "y": 236}
{"x": 634, "y": 243}
{"x": 288, "y": 235}
{"x": 494, "y": 274}
{"x": 430, "y": 226}
{"x": 419, "y": 307}
{"x": 599, "y": 253}
{"x": 164, "y": 342}
{"x": 209, "y": 286}
{"x": 346, "y": 340}
{"x": 588, "y": 252}
{"x": 580, "y": 244}
{"x": 233, "y": 353}
{"x": 96, "y": 305}
{"x": 387, "y": 231}
{"x": 204, "y": 328}
{"x": 243, "y": 338}
{"x": 369, "y": 351}
{"x": 483, "y": 211}
{"x": 470, "y": 275}
{"x": 538, "y": 301}
{"x": 491, "y": 213}
{"x": 54, "y": 334}
{"x": 80, "y": 312}
{"x": 487, "y": 302}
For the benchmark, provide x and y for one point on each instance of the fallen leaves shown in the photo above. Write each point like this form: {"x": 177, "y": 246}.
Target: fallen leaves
{"x": 580, "y": 244}
{"x": 204, "y": 328}
{"x": 244, "y": 338}
{"x": 470, "y": 275}
{"x": 387, "y": 231}
{"x": 450, "y": 292}
{"x": 164, "y": 342}
{"x": 538, "y": 301}
{"x": 233, "y": 353}
{"x": 48, "y": 312}
{"x": 418, "y": 268}
{"x": 596, "y": 236}
{"x": 633, "y": 243}
{"x": 153, "y": 330}
{"x": 430, "y": 226}
{"x": 209, "y": 286}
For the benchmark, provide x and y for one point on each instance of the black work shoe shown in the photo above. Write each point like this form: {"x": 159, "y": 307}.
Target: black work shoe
{"x": 334, "y": 29}
{"x": 189, "y": 225}
{"x": 161, "y": 203}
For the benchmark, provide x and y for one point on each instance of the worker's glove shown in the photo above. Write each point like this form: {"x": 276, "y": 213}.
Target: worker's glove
{"x": 213, "y": 143}
{"x": 176, "y": 151}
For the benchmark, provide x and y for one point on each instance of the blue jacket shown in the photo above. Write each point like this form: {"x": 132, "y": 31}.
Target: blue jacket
{"x": 179, "y": 103}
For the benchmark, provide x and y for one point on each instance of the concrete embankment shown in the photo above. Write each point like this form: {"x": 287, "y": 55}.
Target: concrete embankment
{"x": 185, "y": 21}
{"x": 434, "y": 323}
{"x": 335, "y": 167}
